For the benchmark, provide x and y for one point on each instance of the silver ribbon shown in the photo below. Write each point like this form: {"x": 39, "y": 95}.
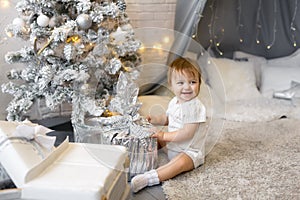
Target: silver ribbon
{"x": 37, "y": 134}
{"x": 34, "y": 135}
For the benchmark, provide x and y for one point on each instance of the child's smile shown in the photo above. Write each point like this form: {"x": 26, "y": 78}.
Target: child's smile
{"x": 185, "y": 86}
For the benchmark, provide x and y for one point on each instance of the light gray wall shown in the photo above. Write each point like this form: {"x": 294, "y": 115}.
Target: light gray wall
{"x": 7, "y": 14}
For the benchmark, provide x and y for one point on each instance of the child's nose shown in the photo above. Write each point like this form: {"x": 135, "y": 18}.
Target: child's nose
{"x": 186, "y": 86}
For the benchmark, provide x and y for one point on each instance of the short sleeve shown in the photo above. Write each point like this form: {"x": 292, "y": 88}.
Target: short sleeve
{"x": 171, "y": 105}
{"x": 193, "y": 111}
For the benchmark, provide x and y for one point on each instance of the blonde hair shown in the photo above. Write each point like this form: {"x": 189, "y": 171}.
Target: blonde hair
{"x": 184, "y": 65}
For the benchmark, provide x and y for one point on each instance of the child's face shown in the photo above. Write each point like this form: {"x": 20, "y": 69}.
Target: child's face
{"x": 184, "y": 86}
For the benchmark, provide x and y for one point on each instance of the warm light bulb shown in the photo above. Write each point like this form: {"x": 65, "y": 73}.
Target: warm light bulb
{"x": 73, "y": 39}
{"x": 157, "y": 46}
{"x": 9, "y": 34}
{"x": 257, "y": 41}
{"x": 166, "y": 39}
{"x": 241, "y": 40}
{"x": 126, "y": 69}
{"x": 295, "y": 44}
{"x": 218, "y": 44}
{"x": 4, "y": 3}
{"x": 142, "y": 48}
{"x": 268, "y": 47}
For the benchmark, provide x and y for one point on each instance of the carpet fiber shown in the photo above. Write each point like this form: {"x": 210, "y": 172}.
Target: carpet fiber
{"x": 257, "y": 160}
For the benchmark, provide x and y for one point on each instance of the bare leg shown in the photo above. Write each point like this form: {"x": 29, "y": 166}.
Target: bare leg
{"x": 181, "y": 163}
{"x": 177, "y": 165}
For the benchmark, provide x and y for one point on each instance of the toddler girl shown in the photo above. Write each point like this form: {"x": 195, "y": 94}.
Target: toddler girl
{"x": 184, "y": 141}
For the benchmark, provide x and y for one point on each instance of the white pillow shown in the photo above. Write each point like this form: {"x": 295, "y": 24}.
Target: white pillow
{"x": 238, "y": 78}
{"x": 292, "y": 59}
{"x": 278, "y": 73}
{"x": 256, "y": 60}
{"x": 278, "y": 78}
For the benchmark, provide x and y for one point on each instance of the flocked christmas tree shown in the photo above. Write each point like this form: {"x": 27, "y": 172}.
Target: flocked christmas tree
{"x": 78, "y": 50}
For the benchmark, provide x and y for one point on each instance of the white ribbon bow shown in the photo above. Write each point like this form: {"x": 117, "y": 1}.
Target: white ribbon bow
{"x": 36, "y": 133}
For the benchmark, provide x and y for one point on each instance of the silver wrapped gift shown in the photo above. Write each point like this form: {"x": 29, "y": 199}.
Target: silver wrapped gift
{"x": 120, "y": 130}
{"x": 142, "y": 151}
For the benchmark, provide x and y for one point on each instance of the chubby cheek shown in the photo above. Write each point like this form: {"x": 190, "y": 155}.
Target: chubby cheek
{"x": 197, "y": 89}
{"x": 174, "y": 87}
{"x": 176, "y": 90}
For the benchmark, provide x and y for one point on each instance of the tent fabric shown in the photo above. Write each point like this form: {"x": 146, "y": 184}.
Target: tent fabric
{"x": 268, "y": 28}
{"x": 187, "y": 17}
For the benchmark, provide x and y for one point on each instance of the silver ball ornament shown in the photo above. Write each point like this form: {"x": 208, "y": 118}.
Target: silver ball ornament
{"x": 84, "y": 21}
{"x": 42, "y": 20}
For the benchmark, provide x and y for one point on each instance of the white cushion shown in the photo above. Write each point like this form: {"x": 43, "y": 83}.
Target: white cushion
{"x": 278, "y": 73}
{"x": 256, "y": 60}
{"x": 238, "y": 78}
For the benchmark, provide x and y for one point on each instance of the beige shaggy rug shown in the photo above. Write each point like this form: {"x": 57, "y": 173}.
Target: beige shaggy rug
{"x": 257, "y": 160}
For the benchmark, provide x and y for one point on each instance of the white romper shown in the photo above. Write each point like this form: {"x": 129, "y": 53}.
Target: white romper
{"x": 192, "y": 111}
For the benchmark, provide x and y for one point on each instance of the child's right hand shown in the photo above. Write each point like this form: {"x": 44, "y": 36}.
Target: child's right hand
{"x": 159, "y": 134}
{"x": 148, "y": 118}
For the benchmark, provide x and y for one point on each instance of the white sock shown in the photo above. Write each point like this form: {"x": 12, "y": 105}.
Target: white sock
{"x": 142, "y": 180}
{"x": 153, "y": 177}
{"x": 138, "y": 182}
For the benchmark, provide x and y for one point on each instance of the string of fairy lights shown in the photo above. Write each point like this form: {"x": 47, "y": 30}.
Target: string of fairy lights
{"x": 292, "y": 26}
{"x": 274, "y": 26}
{"x": 216, "y": 36}
{"x": 240, "y": 26}
{"x": 258, "y": 24}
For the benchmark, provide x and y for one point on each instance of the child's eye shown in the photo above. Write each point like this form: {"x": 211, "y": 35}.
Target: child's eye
{"x": 179, "y": 83}
{"x": 193, "y": 82}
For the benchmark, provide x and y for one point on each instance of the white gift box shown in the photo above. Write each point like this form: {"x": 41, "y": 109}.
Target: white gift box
{"x": 70, "y": 171}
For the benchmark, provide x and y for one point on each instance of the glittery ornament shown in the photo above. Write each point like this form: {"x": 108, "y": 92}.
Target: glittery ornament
{"x": 42, "y": 20}
{"x": 121, "y": 5}
{"x": 84, "y": 21}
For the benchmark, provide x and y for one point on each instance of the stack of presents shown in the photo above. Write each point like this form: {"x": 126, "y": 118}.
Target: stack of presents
{"x": 70, "y": 170}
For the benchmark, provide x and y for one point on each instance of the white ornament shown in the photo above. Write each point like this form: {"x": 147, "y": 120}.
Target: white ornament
{"x": 19, "y": 22}
{"x": 84, "y": 21}
{"x": 43, "y": 20}
{"x": 127, "y": 27}
{"x": 119, "y": 35}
